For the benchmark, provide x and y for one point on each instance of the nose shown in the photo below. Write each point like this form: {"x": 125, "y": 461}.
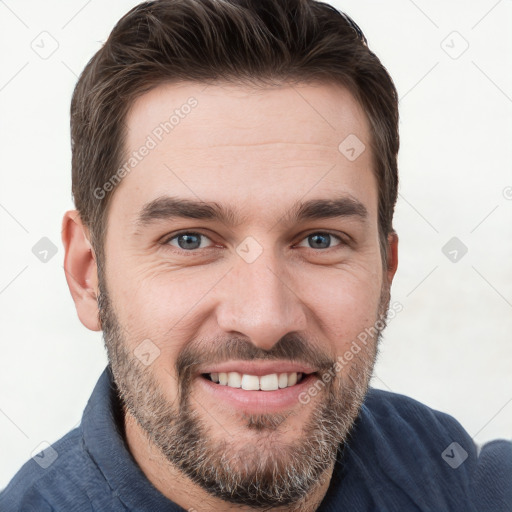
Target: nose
{"x": 260, "y": 301}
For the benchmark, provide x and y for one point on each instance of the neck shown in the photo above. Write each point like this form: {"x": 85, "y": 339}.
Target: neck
{"x": 180, "y": 489}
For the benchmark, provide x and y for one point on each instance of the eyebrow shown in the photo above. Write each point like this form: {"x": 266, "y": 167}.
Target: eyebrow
{"x": 169, "y": 208}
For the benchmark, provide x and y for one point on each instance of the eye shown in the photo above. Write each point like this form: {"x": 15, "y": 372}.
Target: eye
{"x": 321, "y": 240}
{"x": 188, "y": 241}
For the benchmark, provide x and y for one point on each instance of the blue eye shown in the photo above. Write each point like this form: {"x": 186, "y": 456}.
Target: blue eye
{"x": 321, "y": 240}
{"x": 188, "y": 241}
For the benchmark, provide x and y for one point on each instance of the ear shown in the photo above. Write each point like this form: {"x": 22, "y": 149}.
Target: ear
{"x": 81, "y": 269}
{"x": 392, "y": 256}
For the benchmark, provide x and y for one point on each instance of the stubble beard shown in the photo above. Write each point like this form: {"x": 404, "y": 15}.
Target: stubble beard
{"x": 267, "y": 473}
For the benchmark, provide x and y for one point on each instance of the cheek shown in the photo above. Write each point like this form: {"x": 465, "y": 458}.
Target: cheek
{"x": 159, "y": 314}
{"x": 344, "y": 303}
{"x": 163, "y": 305}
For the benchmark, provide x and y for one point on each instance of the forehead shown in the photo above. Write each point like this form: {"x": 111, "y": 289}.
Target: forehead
{"x": 264, "y": 147}
{"x": 228, "y": 114}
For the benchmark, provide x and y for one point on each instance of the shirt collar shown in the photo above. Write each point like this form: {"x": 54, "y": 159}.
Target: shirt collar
{"x": 103, "y": 433}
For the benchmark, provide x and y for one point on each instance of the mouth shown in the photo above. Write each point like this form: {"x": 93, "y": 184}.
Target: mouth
{"x": 258, "y": 394}
{"x": 269, "y": 382}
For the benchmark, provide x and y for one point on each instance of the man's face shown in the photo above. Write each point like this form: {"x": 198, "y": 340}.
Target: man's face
{"x": 281, "y": 284}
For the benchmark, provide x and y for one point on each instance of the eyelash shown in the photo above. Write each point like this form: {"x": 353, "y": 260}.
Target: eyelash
{"x": 168, "y": 239}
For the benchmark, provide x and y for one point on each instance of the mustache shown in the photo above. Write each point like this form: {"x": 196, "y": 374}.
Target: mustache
{"x": 291, "y": 347}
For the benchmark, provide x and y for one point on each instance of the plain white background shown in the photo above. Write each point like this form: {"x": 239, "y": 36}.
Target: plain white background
{"x": 450, "y": 347}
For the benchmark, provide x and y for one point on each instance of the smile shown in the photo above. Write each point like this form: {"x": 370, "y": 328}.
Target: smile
{"x": 270, "y": 382}
{"x": 254, "y": 394}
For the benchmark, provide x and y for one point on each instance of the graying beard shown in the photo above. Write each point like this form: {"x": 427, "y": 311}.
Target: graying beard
{"x": 245, "y": 477}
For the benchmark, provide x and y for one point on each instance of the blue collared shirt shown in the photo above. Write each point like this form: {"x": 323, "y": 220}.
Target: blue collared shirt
{"x": 401, "y": 456}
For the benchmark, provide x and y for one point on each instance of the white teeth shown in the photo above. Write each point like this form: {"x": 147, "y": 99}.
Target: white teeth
{"x": 234, "y": 380}
{"x": 269, "y": 382}
{"x": 250, "y": 382}
{"x": 283, "y": 380}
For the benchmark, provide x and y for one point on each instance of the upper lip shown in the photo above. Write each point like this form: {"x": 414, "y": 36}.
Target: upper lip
{"x": 259, "y": 368}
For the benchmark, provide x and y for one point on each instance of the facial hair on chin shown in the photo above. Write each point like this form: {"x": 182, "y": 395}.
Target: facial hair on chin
{"x": 262, "y": 475}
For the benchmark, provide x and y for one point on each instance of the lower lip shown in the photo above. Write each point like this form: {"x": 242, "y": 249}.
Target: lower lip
{"x": 258, "y": 401}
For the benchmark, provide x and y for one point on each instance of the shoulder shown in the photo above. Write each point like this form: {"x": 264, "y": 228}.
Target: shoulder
{"x": 393, "y": 411}
{"x": 51, "y": 480}
{"x": 404, "y": 433}
{"x": 429, "y": 453}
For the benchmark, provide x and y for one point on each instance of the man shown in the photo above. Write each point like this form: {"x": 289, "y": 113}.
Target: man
{"x": 235, "y": 176}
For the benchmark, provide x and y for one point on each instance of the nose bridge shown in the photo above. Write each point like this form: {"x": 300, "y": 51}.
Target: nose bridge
{"x": 259, "y": 302}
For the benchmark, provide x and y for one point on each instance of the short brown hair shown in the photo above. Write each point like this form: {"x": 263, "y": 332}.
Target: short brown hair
{"x": 253, "y": 41}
